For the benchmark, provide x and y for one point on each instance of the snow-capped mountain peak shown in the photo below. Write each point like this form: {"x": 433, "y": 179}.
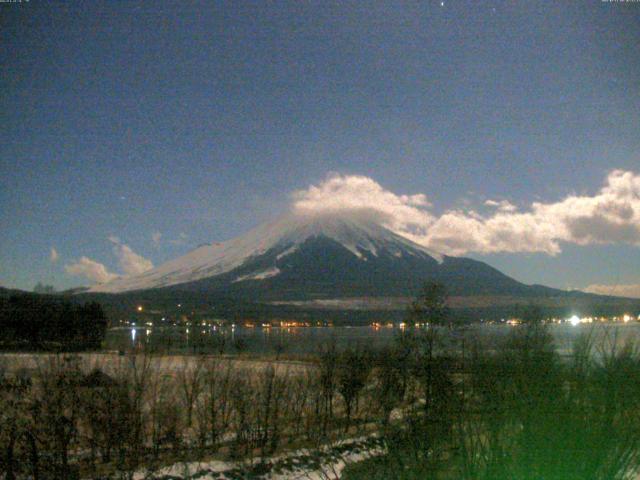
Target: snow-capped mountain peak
{"x": 358, "y": 235}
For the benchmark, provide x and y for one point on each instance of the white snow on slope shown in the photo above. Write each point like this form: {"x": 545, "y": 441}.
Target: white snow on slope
{"x": 288, "y": 232}
{"x": 271, "y": 272}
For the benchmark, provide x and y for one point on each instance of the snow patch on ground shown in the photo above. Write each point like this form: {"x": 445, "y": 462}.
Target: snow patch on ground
{"x": 323, "y": 464}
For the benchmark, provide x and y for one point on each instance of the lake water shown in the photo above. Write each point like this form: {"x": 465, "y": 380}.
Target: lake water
{"x": 305, "y": 340}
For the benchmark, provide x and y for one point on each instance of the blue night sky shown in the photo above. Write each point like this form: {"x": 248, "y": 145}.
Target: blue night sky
{"x": 197, "y": 121}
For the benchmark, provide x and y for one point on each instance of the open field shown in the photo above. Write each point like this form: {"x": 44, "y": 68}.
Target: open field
{"x": 95, "y": 414}
{"x": 112, "y": 362}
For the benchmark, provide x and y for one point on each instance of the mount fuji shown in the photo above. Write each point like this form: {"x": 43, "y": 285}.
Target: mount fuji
{"x": 315, "y": 257}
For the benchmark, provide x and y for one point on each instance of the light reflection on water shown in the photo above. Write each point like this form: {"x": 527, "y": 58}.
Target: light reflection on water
{"x": 303, "y": 340}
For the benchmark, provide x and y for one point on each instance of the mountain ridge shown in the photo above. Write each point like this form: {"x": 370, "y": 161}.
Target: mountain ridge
{"x": 331, "y": 256}
{"x": 360, "y": 236}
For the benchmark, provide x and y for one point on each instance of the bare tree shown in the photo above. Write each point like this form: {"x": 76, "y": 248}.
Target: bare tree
{"x": 328, "y": 367}
{"x": 214, "y": 409}
{"x": 190, "y": 381}
{"x": 353, "y": 368}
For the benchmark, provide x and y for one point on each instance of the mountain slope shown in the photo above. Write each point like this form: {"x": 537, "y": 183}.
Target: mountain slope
{"x": 361, "y": 238}
{"x": 301, "y": 258}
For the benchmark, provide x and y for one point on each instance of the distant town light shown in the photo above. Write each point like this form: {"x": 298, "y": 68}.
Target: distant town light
{"x": 626, "y": 318}
{"x": 139, "y": 308}
{"x": 575, "y": 320}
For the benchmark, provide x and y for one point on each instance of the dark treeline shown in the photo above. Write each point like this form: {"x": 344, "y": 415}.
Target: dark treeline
{"x": 40, "y": 322}
{"x": 121, "y": 306}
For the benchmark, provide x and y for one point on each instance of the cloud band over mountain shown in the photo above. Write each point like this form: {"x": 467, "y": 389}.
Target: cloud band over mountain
{"x": 611, "y": 215}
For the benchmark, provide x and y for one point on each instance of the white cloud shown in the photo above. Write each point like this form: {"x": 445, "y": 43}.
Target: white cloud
{"x": 612, "y": 215}
{"x": 458, "y": 232}
{"x": 340, "y": 193}
{"x": 90, "y": 269}
{"x": 130, "y": 262}
{"x": 501, "y": 205}
{"x": 155, "y": 237}
{"x": 53, "y": 255}
{"x": 632, "y": 291}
